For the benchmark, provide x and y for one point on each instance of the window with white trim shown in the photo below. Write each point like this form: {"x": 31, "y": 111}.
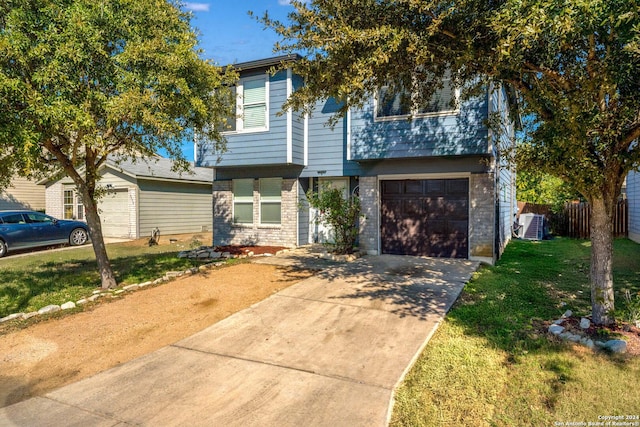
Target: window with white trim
{"x": 72, "y": 205}
{"x": 252, "y": 105}
{"x": 243, "y": 201}
{"x": 390, "y": 105}
{"x": 270, "y": 200}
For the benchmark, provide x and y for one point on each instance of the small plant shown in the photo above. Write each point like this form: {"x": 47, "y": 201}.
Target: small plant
{"x": 340, "y": 213}
{"x": 195, "y": 243}
{"x": 631, "y": 311}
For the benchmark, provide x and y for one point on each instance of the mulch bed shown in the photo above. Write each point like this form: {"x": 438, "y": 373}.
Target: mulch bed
{"x": 245, "y": 249}
{"x": 624, "y": 331}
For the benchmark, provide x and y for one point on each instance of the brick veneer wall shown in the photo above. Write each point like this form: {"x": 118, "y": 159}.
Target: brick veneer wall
{"x": 369, "y": 226}
{"x": 227, "y": 233}
{"x": 54, "y": 202}
{"x": 481, "y": 216}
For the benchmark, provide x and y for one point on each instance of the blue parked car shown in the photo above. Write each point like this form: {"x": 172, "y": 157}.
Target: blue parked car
{"x": 29, "y": 229}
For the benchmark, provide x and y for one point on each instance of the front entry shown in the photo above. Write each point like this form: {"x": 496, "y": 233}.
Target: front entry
{"x": 425, "y": 217}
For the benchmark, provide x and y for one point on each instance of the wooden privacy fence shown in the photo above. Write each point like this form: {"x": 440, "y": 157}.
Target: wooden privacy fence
{"x": 573, "y": 221}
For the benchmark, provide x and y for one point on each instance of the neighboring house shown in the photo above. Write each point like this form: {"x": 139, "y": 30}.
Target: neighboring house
{"x": 633, "y": 198}
{"x": 141, "y": 196}
{"x": 22, "y": 193}
{"x": 432, "y": 186}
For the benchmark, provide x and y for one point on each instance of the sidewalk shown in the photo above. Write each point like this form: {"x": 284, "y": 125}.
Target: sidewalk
{"x": 328, "y": 351}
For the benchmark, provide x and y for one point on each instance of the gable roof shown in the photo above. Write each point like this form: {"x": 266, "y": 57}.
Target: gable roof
{"x": 155, "y": 168}
{"x": 159, "y": 168}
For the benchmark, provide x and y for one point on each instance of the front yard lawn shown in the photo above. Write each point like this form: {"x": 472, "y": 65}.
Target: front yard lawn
{"x": 54, "y": 277}
{"x": 491, "y": 362}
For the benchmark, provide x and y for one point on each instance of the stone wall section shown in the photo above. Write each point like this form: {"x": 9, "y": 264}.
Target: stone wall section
{"x": 53, "y": 197}
{"x": 228, "y": 233}
{"x": 481, "y": 216}
{"x": 369, "y": 221}
{"x": 133, "y": 213}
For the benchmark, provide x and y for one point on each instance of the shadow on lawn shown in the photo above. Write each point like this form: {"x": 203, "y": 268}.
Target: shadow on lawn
{"x": 73, "y": 279}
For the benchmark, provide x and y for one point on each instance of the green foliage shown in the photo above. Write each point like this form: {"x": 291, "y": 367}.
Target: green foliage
{"x": 573, "y": 66}
{"x": 491, "y": 362}
{"x": 340, "y": 213}
{"x": 545, "y": 189}
{"x": 81, "y": 80}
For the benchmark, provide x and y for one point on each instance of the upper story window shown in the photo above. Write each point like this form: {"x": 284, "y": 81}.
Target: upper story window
{"x": 252, "y": 105}
{"x": 391, "y": 105}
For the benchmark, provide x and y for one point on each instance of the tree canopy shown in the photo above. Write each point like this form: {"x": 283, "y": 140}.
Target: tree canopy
{"x": 81, "y": 80}
{"x": 574, "y": 65}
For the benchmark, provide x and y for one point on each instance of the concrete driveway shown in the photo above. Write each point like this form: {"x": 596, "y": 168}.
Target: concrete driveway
{"x": 328, "y": 351}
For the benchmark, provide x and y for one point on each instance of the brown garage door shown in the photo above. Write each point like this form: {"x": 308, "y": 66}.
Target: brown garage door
{"x": 428, "y": 217}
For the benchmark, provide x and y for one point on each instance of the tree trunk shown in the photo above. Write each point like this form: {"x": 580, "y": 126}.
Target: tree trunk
{"x": 99, "y": 248}
{"x": 602, "y": 301}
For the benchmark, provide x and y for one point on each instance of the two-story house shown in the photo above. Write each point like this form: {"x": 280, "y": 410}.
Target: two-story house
{"x": 431, "y": 186}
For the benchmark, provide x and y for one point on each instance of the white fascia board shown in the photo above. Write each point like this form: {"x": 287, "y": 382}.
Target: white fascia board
{"x": 289, "y": 118}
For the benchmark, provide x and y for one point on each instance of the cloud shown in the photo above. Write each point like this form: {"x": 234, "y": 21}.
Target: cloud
{"x": 198, "y": 7}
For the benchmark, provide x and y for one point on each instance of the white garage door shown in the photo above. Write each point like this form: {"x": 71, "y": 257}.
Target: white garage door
{"x": 114, "y": 214}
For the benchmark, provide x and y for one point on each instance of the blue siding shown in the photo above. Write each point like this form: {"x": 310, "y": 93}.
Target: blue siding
{"x": 298, "y": 127}
{"x": 327, "y": 145}
{"x": 265, "y": 147}
{"x": 633, "y": 196}
{"x": 458, "y": 134}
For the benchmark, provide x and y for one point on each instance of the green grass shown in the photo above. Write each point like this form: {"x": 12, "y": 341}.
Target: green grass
{"x": 489, "y": 364}
{"x": 55, "y": 277}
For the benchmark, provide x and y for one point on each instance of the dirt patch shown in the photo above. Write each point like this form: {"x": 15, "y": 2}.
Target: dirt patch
{"x": 244, "y": 250}
{"x": 56, "y": 352}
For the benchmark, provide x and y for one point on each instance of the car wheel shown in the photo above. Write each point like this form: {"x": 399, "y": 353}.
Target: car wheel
{"x": 3, "y": 248}
{"x": 78, "y": 237}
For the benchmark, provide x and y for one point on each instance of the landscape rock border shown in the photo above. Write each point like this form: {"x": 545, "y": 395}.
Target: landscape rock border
{"x": 556, "y": 329}
{"x": 115, "y": 292}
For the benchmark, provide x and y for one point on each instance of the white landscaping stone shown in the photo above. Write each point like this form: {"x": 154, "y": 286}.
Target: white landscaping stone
{"x": 183, "y": 254}
{"x": 94, "y": 297}
{"x": 599, "y": 344}
{"x": 157, "y": 281}
{"x": 226, "y": 255}
{"x": 11, "y": 317}
{"x": 574, "y": 338}
{"x": 589, "y": 343}
{"x": 49, "y": 309}
{"x": 131, "y": 287}
{"x": 585, "y": 323}
{"x": 81, "y": 301}
{"x": 568, "y": 313}
{"x": 142, "y": 285}
{"x": 68, "y": 305}
{"x": 559, "y": 322}
{"x": 29, "y": 315}
{"x": 565, "y": 335}
{"x": 556, "y": 329}
{"x": 118, "y": 292}
{"x": 616, "y": 346}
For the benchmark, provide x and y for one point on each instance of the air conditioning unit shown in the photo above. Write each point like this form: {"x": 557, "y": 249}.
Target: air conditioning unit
{"x": 532, "y": 226}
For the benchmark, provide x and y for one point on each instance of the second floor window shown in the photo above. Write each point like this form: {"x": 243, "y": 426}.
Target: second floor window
{"x": 252, "y": 104}
{"x": 392, "y": 105}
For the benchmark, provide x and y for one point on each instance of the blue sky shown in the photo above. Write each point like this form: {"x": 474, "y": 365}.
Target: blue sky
{"x": 228, "y": 34}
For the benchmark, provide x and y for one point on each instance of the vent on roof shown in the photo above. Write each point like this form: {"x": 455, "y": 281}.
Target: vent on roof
{"x": 532, "y": 226}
